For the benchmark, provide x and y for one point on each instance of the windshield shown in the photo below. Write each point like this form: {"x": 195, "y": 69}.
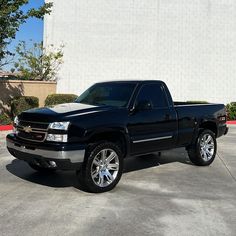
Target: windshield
{"x": 111, "y": 94}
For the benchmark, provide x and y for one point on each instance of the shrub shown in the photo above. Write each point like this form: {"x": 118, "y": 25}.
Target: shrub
{"x": 198, "y": 102}
{"x": 231, "y": 111}
{"x": 23, "y": 103}
{"x": 5, "y": 119}
{"x": 54, "y": 99}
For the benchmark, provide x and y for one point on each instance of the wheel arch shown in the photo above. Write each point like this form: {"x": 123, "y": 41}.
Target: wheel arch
{"x": 211, "y": 125}
{"x": 117, "y": 136}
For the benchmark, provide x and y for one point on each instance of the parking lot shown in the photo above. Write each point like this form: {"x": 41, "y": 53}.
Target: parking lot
{"x": 157, "y": 195}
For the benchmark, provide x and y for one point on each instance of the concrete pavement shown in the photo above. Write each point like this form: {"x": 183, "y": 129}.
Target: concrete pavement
{"x": 164, "y": 195}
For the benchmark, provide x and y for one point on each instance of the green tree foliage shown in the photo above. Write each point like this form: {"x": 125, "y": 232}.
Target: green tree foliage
{"x": 11, "y": 17}
{"x": 231, "y": 110}
{"x": 38, "y": 62}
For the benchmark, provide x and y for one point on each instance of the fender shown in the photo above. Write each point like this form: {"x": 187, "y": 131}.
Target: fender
{"x": 109, "y": 133}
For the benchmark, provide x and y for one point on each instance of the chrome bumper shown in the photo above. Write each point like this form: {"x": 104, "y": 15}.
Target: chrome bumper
{"x": 75, "y": 156}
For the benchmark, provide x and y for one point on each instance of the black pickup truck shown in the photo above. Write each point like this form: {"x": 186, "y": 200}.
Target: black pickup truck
{"x": 109, "y": 122}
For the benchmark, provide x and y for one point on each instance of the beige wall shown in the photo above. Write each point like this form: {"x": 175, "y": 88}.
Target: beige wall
{"x": 13, "y": 88}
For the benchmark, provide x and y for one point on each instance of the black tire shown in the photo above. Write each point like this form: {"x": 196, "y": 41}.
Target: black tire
{"x": 84, "y": 175}
{"x": 41, "y": 169}
{"x": 196, "y": 153}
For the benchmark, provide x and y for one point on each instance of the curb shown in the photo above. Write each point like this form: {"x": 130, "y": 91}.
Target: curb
{"x": 6, "y": 127}
{"x": 231, "y": 122}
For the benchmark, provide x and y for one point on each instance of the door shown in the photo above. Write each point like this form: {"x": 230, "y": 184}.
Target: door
{"x": 152, "y": 125}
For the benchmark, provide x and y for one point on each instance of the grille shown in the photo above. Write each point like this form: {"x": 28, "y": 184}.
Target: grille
{"x": 34, "y": 125}
{"x": 32, "y": 131}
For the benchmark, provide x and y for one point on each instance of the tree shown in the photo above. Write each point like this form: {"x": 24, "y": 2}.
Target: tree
{"x": 38, "y": 62}
{"x": 11, "y": 17}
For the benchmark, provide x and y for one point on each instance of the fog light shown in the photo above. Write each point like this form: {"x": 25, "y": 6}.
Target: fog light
{"x": 52, "y": 163}
{"x": 57, "y": 137}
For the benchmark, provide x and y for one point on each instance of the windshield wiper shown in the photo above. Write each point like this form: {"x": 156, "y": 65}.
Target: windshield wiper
{"x": 98, "y": 103}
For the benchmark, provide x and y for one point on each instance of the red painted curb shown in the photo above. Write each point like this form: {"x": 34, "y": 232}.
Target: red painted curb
{"x": 6, "y": 127}
{"x": 231, "y": 122}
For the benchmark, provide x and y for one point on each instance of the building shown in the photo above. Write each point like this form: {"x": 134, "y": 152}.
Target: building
{"x": 7, "y": 75}
{"x": 188, "y": 44}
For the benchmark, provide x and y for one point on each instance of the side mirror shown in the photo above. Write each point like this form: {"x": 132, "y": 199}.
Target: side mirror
{"x": 144, "y": 105}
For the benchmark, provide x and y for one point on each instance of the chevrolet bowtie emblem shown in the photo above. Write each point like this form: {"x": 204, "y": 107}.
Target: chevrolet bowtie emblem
{"x": 27, "y": 129}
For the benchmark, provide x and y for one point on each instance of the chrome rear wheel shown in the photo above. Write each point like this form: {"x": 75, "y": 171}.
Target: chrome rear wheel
{"x": 207, "y": 147}
{"x": 203, "y": 151}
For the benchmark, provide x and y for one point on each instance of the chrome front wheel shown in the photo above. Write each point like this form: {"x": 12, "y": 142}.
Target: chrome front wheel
{"x": 105, "y": 167}
{"x": 102, "y": 168}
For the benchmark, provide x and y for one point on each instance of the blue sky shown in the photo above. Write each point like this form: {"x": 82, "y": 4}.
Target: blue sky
{"x": 32, "y": 29}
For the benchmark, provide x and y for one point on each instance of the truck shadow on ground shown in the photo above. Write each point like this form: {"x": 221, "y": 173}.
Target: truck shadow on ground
{"x": 60, "y": 179}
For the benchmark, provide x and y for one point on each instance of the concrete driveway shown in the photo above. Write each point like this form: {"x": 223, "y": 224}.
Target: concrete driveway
{"x": 164, "y": 195}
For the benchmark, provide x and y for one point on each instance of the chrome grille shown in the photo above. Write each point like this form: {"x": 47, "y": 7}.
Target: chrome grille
{"x": 32, "y": 131}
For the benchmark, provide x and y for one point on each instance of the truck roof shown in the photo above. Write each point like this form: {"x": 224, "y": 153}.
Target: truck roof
{"x": 131, "y": 81}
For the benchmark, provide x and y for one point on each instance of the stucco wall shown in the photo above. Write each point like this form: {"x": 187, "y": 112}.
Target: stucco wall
{"x": 13, "y": 88}
{"x": 188, "y": 44}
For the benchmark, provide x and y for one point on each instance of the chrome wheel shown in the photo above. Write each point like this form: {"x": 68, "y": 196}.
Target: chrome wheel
{"x": 105, "y": 167}
{"x": 207, "y": 147}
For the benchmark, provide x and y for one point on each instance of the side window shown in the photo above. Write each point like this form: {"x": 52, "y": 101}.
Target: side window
{"x": 153, "y": 93}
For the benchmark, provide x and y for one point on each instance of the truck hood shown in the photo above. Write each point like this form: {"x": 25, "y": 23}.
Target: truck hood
{"x": 60, "y": 112}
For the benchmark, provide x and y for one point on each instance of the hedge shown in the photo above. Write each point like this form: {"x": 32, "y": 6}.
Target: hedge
{"x": 231, "y": 111}
{"x": 198, "y": 102}
{"x": 23, "y": 103}
{"x": 5, "y": 119}
{"x": 54, "y": 99}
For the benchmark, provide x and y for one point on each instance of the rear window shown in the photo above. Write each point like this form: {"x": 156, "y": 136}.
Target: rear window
{"x": 153, "y": 93}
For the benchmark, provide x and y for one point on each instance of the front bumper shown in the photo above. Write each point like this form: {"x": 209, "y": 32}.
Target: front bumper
{"x": 64, "y": 156}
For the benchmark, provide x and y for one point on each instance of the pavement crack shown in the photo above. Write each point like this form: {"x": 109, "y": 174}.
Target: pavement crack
{"x": 227, "y": 168}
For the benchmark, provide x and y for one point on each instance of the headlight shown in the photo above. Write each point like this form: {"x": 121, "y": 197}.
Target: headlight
{"x": 59, "y": 125}
{"x": 15, "y": 124}
{"x": 16, "y": 121}
{"x": 57, "y": 138}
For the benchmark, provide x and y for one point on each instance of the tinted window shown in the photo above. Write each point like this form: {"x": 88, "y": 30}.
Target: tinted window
{"x": 153, "y": 93}
{"x": 112, "y": 94}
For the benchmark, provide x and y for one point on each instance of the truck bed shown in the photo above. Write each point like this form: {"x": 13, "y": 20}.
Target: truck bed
{"x": 190, "y": 114}
{"x": 189, "y": 103}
